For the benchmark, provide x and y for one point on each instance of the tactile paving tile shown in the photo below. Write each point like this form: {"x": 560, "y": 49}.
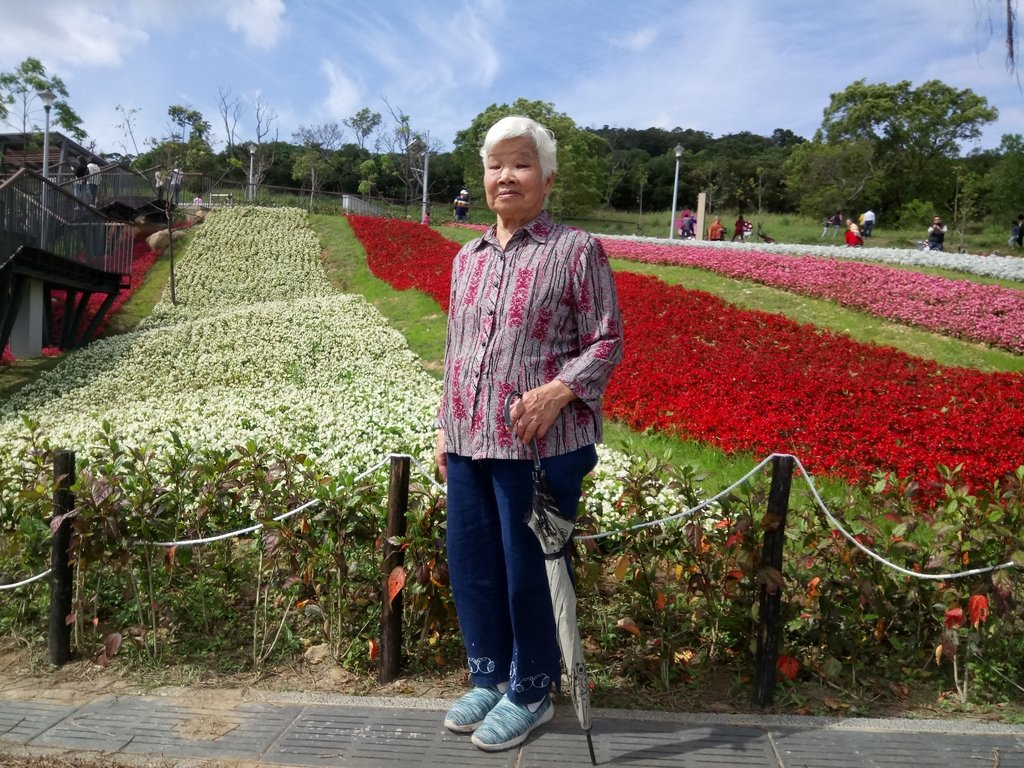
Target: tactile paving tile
{"x": 143, "y": 725}
{"x": 896, "y": 749}
{"x": 21, "y": 721}
{"x": 368, "y": 738}
{"x": 639, "y": 745}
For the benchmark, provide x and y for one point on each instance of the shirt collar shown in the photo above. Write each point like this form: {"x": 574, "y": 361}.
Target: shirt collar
{"x": 539, "y": 229}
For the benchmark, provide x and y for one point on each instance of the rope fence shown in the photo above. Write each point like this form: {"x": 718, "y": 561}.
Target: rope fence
{"x": 661, "y": 522}
{"x": 390, "y": 658}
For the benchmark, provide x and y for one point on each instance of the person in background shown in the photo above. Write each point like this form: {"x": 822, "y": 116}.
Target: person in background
{"x": 92, "y": 180}
{"x": 853, "y": 238}
{"x": 533, "y": 310}
{"x": 936, "y": 235}
{"x": 686, "y": 223}
{"x": 837, "y": 223}
{"x": 739, "y": 229}
{"x": 81, "y": 171}
{"x": 869, "y": 223}
{"x": 1018, "y": 232}
{"x": 160, "y": 182}
{"x": 461, "y": 206}
{"x": 716, "y": 231}
{"x": 177, "y": 176}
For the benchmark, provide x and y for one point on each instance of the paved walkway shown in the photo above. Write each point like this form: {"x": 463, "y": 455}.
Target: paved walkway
{"x": 299, "y": 730}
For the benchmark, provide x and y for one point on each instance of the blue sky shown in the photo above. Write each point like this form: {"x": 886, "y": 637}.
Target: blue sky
{"x": 720, "y": 66}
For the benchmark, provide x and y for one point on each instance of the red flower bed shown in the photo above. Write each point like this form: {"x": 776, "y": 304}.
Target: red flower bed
{"x": 142, "y": 260}
{"x": 407, "y": 255}
{"x": 745, "y": 380}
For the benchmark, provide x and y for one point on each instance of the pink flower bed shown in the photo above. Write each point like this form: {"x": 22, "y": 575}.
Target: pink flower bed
{"x": 960, "y": 308}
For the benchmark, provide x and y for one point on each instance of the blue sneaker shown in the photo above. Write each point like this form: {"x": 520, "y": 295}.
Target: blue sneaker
{"x": 469, "y": 711}
{"x": 509, "y": 724}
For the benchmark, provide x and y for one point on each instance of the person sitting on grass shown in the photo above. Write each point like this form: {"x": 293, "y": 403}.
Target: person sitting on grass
{"x": 853, "y": 238}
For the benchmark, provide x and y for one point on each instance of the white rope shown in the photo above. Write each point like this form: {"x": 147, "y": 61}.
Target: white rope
{"x": 374, "y": 468}
{"x": 423, "y": 471}
{"x": 230, "y": 534}
{"x": 17, "y": 584}
{"x": 833, "y": 521}
{"x": 828, "y": 515}
{"x": 285, "y": 515}
{"x": 870, "y": 553}
{"x": 678, "y": 515}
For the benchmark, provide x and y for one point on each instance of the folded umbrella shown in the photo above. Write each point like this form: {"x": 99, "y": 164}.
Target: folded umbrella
{"x": 554, "y": 532}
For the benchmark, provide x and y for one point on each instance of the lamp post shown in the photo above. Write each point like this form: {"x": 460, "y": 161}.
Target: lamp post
{"x": 252, "y": 159}
{"x": 675, "y": 193}
{"x": 47, "y": 97}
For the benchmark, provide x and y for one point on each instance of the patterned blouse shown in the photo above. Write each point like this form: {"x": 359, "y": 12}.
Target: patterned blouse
{"x": 542, "y": 308}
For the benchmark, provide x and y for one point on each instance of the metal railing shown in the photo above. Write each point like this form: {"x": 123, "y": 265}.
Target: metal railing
{"x": 37, "y": 213}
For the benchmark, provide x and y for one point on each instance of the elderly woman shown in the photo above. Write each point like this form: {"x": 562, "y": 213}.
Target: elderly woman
{"x": 533, "y": 309}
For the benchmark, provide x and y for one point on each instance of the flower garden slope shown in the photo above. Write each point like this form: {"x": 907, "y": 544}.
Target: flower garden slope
{"x": 279, "y": 359}
{"x": 246, "y": 256}
{"x": 747, "y": 380}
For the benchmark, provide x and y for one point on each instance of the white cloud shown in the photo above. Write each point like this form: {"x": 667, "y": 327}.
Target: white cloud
{"x": 60, "y": 33}
{"x": 343, "y": 95}
{"x": 261, "y": 22}
{"x": 638, "y": 40}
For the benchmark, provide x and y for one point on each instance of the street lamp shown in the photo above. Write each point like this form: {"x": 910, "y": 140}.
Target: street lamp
{"x": 47, "y": 97}
{"x": 675, "y": 193}
{"x": 417, "y": 145}
{"x": 252, "y": 158}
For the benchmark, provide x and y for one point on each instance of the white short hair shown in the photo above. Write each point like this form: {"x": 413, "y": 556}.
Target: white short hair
{"x": 515, "y": 126}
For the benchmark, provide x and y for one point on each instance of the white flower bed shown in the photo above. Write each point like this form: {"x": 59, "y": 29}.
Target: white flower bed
{"x": 1004, "y": 267}
{"x": 258, "y": 347}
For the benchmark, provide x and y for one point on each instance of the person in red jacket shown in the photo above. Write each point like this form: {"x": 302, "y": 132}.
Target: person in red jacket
{"x": 853, "y": 238}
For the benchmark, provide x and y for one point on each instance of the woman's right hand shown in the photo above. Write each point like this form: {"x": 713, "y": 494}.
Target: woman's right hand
{"x": 440, "y": 455}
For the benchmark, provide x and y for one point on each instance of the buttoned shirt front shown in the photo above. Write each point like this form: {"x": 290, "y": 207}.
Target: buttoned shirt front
{"x": 543, "y": 307}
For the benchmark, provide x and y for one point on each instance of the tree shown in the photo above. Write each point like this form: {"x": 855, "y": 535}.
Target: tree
{"x": 192, "y": 119}
{"x": 231, "y": 110}
{"x": 914, "y": 132}
{"x": 579, "y": 181}
{"x": 362, "y": 124}
{"x": 625, "y": 176}
{"x": 315, "y": 163}
{"x": 192, "y": 154}
{"x": 1005, "y": 177}
{"x": 965, "y": 205}
{"x": 827, "y": 177}
{"x": 127, "y": 125}
{"x": 267, "y": 154}
{"x": 932, "y": 120}
{"x": 19, "y": 99}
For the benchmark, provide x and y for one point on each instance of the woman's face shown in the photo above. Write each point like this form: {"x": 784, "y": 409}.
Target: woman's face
{"x": 513, "y": 183}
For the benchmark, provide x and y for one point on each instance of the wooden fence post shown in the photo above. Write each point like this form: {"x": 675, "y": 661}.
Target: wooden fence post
{"x": 391, "y": 613}
{"x": 61, "y": 591}
{"x": 770, "y": 600}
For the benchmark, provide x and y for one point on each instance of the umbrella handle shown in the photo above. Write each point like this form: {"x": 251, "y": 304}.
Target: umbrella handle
{"x": 509, "y": 399}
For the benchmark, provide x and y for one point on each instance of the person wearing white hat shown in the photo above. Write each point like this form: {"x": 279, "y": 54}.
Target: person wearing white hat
{"x": 462, "y": 207}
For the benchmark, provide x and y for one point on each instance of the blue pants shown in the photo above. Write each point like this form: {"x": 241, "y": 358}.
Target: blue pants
{"x": 497, "y": 569}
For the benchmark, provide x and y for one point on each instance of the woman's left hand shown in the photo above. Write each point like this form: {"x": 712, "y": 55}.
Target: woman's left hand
{"x": 534, "y": 413}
